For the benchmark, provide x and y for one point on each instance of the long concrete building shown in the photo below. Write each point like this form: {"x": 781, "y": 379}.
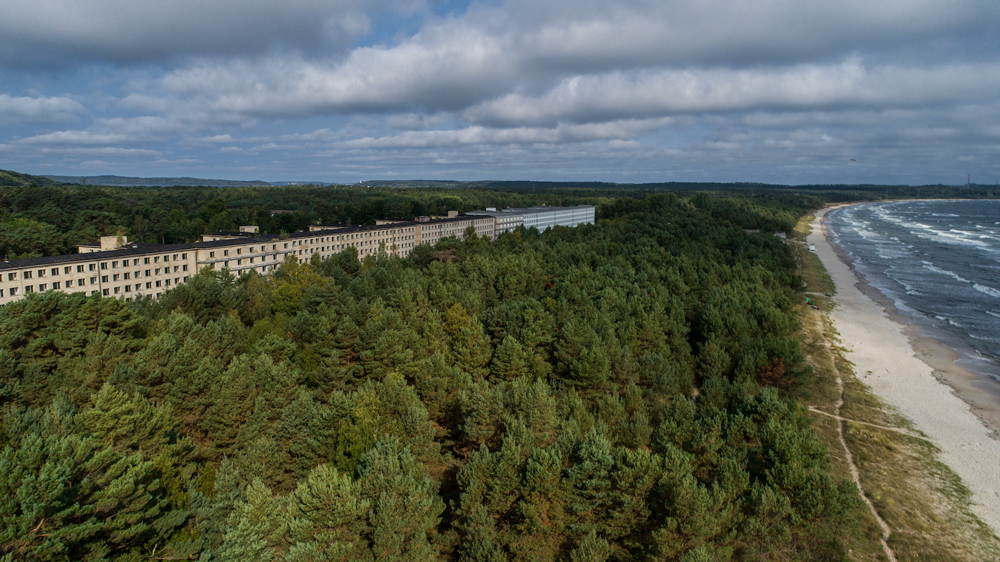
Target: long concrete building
{"x": 542, "y": 217}
{"x": 122, "y": 269}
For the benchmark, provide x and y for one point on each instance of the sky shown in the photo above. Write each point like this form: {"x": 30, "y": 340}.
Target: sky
{"x": 778, "y": 91}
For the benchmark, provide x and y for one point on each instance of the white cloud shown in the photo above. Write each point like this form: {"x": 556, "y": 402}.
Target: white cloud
{"x": 478, "y": 135}
{"x": 802, "y": 87}
{"x": 38, "y": 110}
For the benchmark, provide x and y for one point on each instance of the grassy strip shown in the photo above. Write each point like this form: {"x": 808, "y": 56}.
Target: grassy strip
{"x": 924, "y": 503}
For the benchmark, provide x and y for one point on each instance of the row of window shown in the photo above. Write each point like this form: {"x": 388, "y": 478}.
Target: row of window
{"x": 55, "y": 286}
{"x": 68, "y": 269}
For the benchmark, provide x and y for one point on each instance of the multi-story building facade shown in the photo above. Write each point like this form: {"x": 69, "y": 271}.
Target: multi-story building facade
{"x": 542, "y": 218}
{"x": 122, "y": 269}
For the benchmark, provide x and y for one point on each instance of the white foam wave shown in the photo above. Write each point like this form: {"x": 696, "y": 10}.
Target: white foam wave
{"x": 987, "y": 290}
{"x": 952, "y": 274}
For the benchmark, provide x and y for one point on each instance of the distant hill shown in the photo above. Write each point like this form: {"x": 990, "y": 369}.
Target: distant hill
{"x": 120, "y": 181}
{"x": 15, "y": 179}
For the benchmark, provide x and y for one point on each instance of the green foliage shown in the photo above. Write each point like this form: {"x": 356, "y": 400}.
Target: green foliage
{"x": 608, "y": 392}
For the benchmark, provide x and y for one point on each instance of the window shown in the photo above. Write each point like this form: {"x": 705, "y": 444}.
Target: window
{"x": 156, "y": 259}
{"x": 27, "y": 275}
{"x": 239, "y": 262}
{"x": 184, "y": 267}
{"x": 159, "y": 283}
{"x": 127, "y": 276}
{"x": 175, "y": 257}
{"x": 1, "y": 293}
{"x": 225, "y": 252}
{"x": 157, "y": 271}
{"x": 168, "y": 282}
{"x": 93, "y": 281}
{"x": 114, "y": 265}
{"x": 104, "y": 292}
{"x": 104, "y": 265}
{"x": 138, "y": 286}
{"x": 12, "y": 276}
{"x": 185, "y": 279}
{"x": 79, "y": 269}
{"x": 145, "y": 261}
{"x": 41, "y": 273}
{"x": 128, "y": 288}
{"x": 149, "y": 284}
{"x": 115, "y": 277}
{"x": 55, "y": 285}
{"x": 104, "y": 279}
{"x": 92, "y": 267}
{"x": 147, "y": 273}
{"x": 274, "y": 246}
{"x": 286, "y": 245}
{"x": 13, "y": 291}
{"x": 67, "y": 269}
{"x": 135, "y": 261}
{"x": 29, "y": 289}
{"x": 42, "y": 287}
{"x": 211, "y": 254}
{"x": 239, "y": 251}
{"x": 175, "y": 269}
{"x": 118, "y": 290}
{"x": 166, "y": 258}
{"x": 251, "y": 261}
{"x": 184, "y": 256}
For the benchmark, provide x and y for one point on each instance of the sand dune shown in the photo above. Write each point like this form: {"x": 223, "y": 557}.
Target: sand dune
{"x": 959, "y": 418}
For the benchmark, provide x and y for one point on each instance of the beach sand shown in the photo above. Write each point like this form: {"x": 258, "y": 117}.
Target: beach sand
{"x": 958, "y": 411}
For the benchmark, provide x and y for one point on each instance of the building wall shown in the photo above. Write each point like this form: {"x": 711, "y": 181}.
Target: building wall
{"x": 111, "y": 276}
{"x": 131, "y": 273}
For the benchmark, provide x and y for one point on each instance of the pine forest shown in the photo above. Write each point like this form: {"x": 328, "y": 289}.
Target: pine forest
{"x": 617, "y": 391}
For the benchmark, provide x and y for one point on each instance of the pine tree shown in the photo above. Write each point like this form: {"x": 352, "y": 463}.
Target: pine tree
{"x": 327, "y": 518}
{"x": 405, "y": 507}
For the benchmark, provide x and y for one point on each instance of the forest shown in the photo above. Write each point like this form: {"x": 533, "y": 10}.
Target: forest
{"x": 39, "y": 217}
{"x": 617, "y": 391}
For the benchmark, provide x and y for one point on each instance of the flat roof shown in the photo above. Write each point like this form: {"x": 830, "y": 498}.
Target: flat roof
{"x": 132, "y": 249}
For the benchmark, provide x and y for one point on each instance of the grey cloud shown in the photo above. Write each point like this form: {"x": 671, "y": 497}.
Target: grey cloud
{"x": 58, "y": 32}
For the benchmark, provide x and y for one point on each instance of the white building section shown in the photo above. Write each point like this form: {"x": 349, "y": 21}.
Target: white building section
{"x": 542, "y": 218}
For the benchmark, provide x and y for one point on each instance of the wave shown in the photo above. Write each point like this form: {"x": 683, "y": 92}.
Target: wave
{"x": 952, "y": 274}
{"x": 987, "y": 290}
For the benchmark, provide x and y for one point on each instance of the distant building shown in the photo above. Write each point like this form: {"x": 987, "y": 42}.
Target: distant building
{"x": 542, "y": 218}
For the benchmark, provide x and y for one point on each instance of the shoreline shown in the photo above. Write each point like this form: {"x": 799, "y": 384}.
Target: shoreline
{"x": 979, "y": 390}
{"x": 916, "y": 375}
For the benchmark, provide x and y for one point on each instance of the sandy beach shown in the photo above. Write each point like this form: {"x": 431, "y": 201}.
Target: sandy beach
{"x": 956, "y": 409}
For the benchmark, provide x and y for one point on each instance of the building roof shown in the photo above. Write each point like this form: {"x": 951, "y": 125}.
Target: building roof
{"x": 510, "y": 211}
{"x": 140, "y": 249}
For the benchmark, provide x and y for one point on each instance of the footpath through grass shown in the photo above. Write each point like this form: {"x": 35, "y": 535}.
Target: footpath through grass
{"x": 923, "y": 503}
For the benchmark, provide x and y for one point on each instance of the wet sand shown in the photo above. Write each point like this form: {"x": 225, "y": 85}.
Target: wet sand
{"x": 958, "y": 410}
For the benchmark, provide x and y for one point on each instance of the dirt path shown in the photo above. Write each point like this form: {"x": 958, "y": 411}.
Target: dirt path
{"x": 884, "y": 539}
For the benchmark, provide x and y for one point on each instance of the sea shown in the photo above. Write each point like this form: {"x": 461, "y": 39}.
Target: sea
{"x": 938, "y": 262}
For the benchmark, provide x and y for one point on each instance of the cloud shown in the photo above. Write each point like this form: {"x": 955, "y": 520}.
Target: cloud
{"x": 683, "y": 89}
{"x": 478, "y": 135}
{"x": 803, "y": 87}
{"x": 38, "y": 110}
{"x": 57, "y": 32}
